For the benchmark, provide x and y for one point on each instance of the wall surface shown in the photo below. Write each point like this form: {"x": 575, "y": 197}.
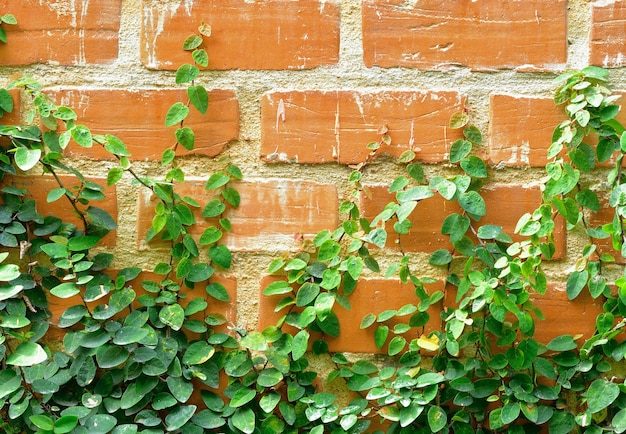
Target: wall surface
{"x": 298, "y": 88}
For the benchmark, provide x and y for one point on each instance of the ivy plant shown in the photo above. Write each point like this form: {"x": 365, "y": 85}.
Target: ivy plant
{"x": 141, "y": 352}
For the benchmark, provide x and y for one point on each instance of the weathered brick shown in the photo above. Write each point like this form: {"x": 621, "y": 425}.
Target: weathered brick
{"x": 563, "y": 316}
{"x": 319, "y": 127}
{"x": 608, "y": 34}
{"x": 272, "y": 215}
{"x": 272, "y": 34}
{"x": 137, "y": 117}
{"x": 39, "y": 186}
{"x": 520, "y": 129}
{"x": 505, "y": 205}
{"x": 370, "y": 296}
{"x": 485, "y": 35}
{"x": 65, "y": 32}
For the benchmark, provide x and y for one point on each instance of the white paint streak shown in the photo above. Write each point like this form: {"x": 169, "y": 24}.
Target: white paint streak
{"x": 280, "y": 112}
{"x": 337, "y": 151}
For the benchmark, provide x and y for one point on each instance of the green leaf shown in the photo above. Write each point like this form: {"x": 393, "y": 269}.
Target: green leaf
{"x": 26, "y": 158}
{"x": 110, "y": 356}
{"x": 474, "y": 166}
{"x": 65, "y": 290}
{"x": 176, "y": 114}
{"x": 186, "y": 73}
{"x": 216, "y": 180}
{"x": 199, "y": 98}
{"x": 601, "y": 394}
{"x": 115, "y": 146}
{"x": 231, "y": 196}
{"x": 201, "y": 57}
{"x": 255, "y": 341}
{"x": 328, "y": 250}
{"x": 380, "y": 335}
{"x": 186, "y": 137}
{"x": 221, "y": 255}
{"x": 278, "y": 287}
{"x": 458, "y": 120}
{"x": 192, "y": 42}
{"x": 180, "y": 388}
{"x": 300, "y": 344}
{"x": 178, "y": 417}
{"x": 6, "y": 101}
{"x": 213, "y": 208}
{"x": 575, "y": 283}
{"x": 562, "y": 343}
{"x": 244, "y": 420}
{"x": 9, "y": 272}
{"x": 114, "y": 175}
{"x": 437, "y": 418}
{"x": 129, "y": 335}
{"x": 242, "y": 397}
{"x": 65, "y": 424}
{"x": 440, "y": 257}
{"x": 413, "y": 194}
{"x": 269, "y": 377}
{"x": 619, "y": 421}
{"x": 473, "y": 203}
{"x": 217, "y": 291}
{"x": 27, "y": 354}
{"x": 473, "y": 134}
{"x": 42, "y": 421}
{"x": 459, "y": 150}
{"x": 396, "y": 345}
{"x": 198, "y": 353}
{"x": 10, "y": 381}
{"x": 172, "y": 315}
{"x": 82, "y": 136}
{"x": 378, "y": 237}
{"x": 101, "y": 218}
{"x": 330, "y": 325}
{"x": 307, "y": 293}
{"x": 78, "y": 244}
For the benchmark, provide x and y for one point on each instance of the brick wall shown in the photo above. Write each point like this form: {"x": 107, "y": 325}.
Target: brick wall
{"x": 298, "y": 88}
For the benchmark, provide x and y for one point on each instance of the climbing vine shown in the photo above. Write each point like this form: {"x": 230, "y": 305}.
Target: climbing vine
{"x": 145, "y": 350}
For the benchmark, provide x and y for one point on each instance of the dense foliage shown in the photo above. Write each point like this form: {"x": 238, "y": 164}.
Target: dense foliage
{"x": 138, "y": 343}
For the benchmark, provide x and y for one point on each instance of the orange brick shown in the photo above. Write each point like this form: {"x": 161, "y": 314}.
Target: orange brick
{"x": 273, "y": 34}
{"x": 272, "y": 213}
{"x": 65, "y": 32}
{"x": 39, "y": 186}
{"x": 563, "y": 316}
{"x": 485, "y": 35}
{"x": 505, "y": 205}
{"x": 319, "y": 127}
{"x": 137, "y": 117}
{"x": 370, "y": 296}
{"x": 608, "y": 34}
{"x": 520, "y": 130}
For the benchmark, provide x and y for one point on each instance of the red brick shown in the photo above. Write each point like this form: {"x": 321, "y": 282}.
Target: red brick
{"x": 520, "y": 129}
{"x": 273, "y": 214}
{"x": 319, "y": 127}
{"x": 137, "y": 117}
{"x": 272, "y": 34}
{"x": 65, "y": 32}
{"x": 505, "y": 205}
{"x": 563, "y": 316}
{"x": 39, "y": 186}
{"x": 608, "y": 34}
{"x": 370, "y": 296}
{"x": 485, "y": 35}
